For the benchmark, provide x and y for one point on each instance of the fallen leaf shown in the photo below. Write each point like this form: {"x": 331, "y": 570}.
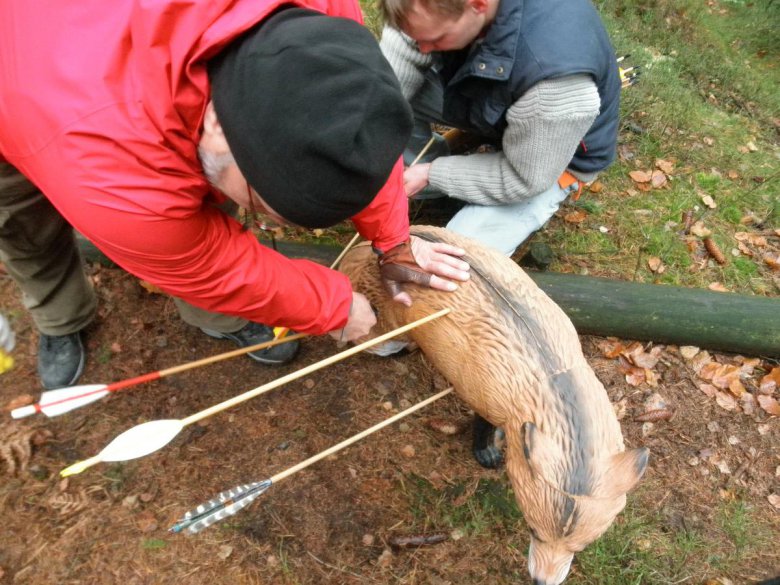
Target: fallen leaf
{"x": 665, "y": 165}
{"x": 769, "y": 404}
{"x": 116, "y": 347}
{"x": 708, "y": 370}
{"x": 721, "y": 464}
{"x": 19, "y": 401}
{"x": 773, "y": 261}
{"x": 658, "y": 179}
{"x": 688, "y": 351}
{"x": 640, "y": 176}
{"x": 654, "y": 263}
{"x": 700, "y": 360}
{"x": 611, "y": 348}
{"x": 408, "y": 451}
{"x": 709, "y": 201}
{"x": 770, "y": 382}
{"x": 698, "y": 229}
{"x": 317, "y": 232}
{"x": 751, "y": 238}
{"x": 717, "y": 287}
{"x": 146, "y": 521}
{"x": 774, "y": 499}
{"x": 577, "y": 216}
{"x": 708, "y": 389}
{"x": 732, "y": 174}
{"x": 726, "y": 401}
{"x": 749, "y": 404}
{"x": 444, "y": 427}
{"x": 751, "y": 146}
{"x": 151, "y": 288}
{"x": 225, "y": 551}
{"x": 635, "y": 376}
{"x": 708, "y": 141}
{"x": 596, "y": 187}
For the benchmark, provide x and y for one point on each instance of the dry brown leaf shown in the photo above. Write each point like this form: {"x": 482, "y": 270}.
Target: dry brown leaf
{"x": 732, "y": 174}
{"x": 654, "y": 263}
{"x": 640, "y": 176}
{"x": 577, "y": 216}
{"x": 736, "y": 387}
{"x": 709, "y": 201}
{"x": 747, "y": 365}
{"x": 717, "y": 287}
{"x": 700, "y": 360}
{"x": 116, "y": 347}
{"x": 770, "y": 382}
{"x": 774, "y": 499}
{"x": 726, "y": 401}
{"x": 772, "y": 260}
{"x": 151, "y": 288}
{"x": 724, "y": 378}
{"x": 645, "y": 359}
{"x": 749, "y": 404}
{"x": 744, "y": 249}
{"x": 751, "y": 238}
{"x": 698, "y": 229}
{"x": 665, "y": 165}
{"x": 19, "y": 401}
{"x": 769, "y": 404}
{"x": 688, "y": 351}
{"x": 611, "y": 348}
{"x": 635, "y": 376}
{"x": 658, "y": 179}
{"x": 596, "y": 187}
{"x": 445, "y": 427}
{"x": 709, "y": 370}
{"x": 651, "y": 378}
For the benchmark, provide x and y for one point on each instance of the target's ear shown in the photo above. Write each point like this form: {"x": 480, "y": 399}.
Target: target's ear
{"x": 623, "y": 471}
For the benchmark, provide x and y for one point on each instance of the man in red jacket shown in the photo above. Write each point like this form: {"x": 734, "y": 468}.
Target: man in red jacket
{"x": 140, "y": 121}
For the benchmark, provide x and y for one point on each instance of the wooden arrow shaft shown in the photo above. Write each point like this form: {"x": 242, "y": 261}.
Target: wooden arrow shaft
{"x": 354, "y": 439}
{"x": 309, "y": 369}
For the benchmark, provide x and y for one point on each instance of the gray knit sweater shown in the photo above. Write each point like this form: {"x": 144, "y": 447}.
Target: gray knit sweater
{"x": 543, "y": 130}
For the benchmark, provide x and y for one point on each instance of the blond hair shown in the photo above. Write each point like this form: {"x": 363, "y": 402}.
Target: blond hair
{"x": 394, "y": 12}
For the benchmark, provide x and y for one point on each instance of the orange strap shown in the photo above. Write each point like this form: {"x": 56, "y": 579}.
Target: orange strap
{"x": 566, "y": 180}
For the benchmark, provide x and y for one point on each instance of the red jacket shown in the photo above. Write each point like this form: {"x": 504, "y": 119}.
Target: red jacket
{"x": 101, "y": 106}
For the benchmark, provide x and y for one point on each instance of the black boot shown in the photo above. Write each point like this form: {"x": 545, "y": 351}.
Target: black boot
{"x": 254, "y": 333}
{"x": 487, "y": 443}
{"x": 60, "y": 360}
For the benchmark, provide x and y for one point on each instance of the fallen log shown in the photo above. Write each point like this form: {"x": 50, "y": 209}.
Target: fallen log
{"x": 730, "y": 322}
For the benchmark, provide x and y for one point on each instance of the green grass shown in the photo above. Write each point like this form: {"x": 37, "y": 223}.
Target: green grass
{"x": 491, "y": 505}
{"x": 708, "y": 91}
{"x": 639, "y": 548}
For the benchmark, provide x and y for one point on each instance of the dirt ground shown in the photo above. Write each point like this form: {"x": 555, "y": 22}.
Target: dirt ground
{"x": 334, "y": 522}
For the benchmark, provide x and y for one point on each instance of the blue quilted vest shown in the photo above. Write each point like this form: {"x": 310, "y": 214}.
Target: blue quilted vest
{"x": 532, "y": 40}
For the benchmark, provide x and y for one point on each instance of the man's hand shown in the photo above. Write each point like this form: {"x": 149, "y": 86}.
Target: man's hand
{"x": 433, "y": 264}
{"x": 416, "y": 178}
{"x": 361, "y": 319}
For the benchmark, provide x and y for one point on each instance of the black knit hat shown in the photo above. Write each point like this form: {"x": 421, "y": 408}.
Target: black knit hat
{"x": 313, "y": 114}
